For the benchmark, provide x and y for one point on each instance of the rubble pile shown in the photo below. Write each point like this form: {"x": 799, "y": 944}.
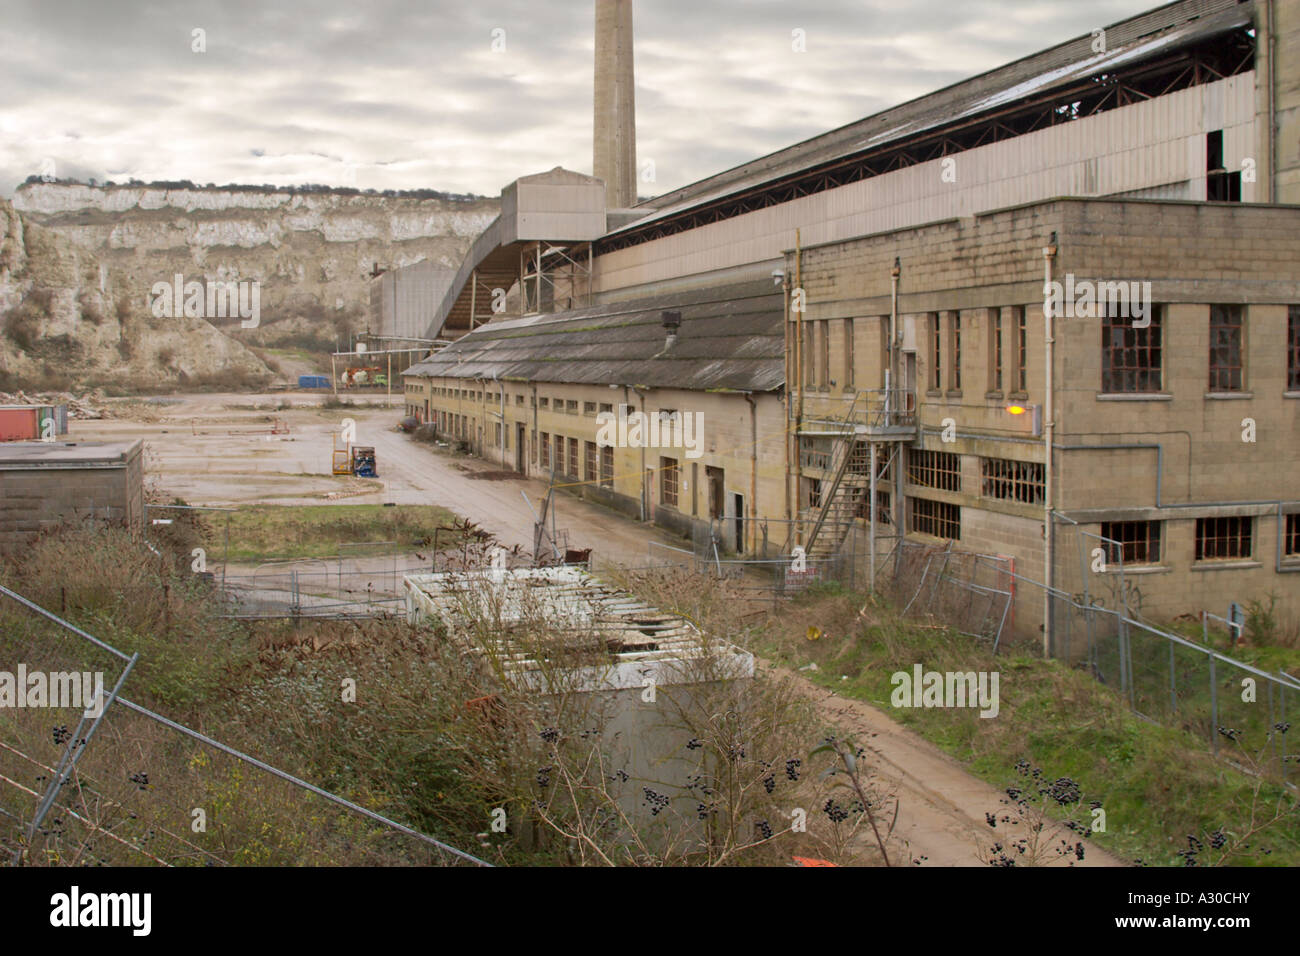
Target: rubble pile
{"x": 90, "y": 405}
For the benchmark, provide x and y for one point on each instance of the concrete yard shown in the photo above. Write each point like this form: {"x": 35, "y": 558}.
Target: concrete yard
{"x": 219, "y": 449}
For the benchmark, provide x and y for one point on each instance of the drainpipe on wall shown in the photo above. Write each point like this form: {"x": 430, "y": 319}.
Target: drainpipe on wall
{"x": 501, "y": 394}
{"x": 1270, "y": 82}
{"x": 895, "y": 341}
{"x": 645, "y": 491}
{"x": 790, "y": 457}
{"x": 482, "y": 415}
{"x": 753, "y": 466}
{"x": 1049, "y": 428}
{"x": 798, "y": 372}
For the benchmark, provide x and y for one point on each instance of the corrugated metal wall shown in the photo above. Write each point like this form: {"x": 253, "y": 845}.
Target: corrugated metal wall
{"x": 1157, "y": 146}
{"x": 403, "y": 301}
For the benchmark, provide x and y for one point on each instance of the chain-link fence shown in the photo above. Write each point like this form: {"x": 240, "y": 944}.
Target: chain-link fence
{"x": 88, "y": 777}
{"x": 1162, "y": 676}
{"x": 973, "y": 593}
{"x": 776, "y": 576}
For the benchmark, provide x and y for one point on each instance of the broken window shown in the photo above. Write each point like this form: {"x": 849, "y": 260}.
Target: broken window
{"x": 1022, "y": 350}
{"x": 607, "y": 466}
{"x": 824, "y": 360}
{"x": 995, "y": 350}
{"x": 936, "y": 353}
{"x": 1131, "y": 357}
{"x": 936, "y": 518}
{"x": 668, "y": 482}
{"x": 954, "y": 349}
{"x": 1223, "y": 538}
{"x": 1293, "y": 348}
{"x": 1132, "y": 542}
{"x": 1012, "y": 480}
{"x": 934, "y": 469}
{"x": 1225, "y": 348}
{"x": 1220, "y": 185}
{"x": 849, "y": 357}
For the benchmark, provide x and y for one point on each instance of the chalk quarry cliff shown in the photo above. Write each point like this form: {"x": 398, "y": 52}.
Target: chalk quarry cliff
{"x": 67, "y": 321}
{"x": 311, "y": 251}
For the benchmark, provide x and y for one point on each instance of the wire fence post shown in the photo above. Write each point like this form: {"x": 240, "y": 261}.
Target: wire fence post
{"x": 76, "y": 747}
{"x": 1173, "y": 681}
{"x": 1214, "y": 708}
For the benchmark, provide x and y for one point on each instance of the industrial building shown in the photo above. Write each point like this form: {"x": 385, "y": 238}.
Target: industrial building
{"x": 1092, "y": 249}
{"x": 48, "y": 485}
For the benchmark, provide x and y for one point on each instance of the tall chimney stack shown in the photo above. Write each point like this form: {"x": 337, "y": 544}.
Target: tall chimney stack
{"x": 614, "y": 140}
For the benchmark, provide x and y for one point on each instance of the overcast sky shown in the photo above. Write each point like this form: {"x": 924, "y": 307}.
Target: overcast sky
{"x": 403, "y": 94}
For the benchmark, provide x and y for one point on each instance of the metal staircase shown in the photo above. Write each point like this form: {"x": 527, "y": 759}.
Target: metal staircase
{"x": 874, "y": 428}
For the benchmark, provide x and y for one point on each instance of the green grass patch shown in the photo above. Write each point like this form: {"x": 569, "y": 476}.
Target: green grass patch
{"x": 1158, "y": 783}
{"x": 266, "y": 532}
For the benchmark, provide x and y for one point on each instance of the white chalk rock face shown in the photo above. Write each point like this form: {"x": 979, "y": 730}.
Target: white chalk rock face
{"x": 310, "y": 251}
{"x": 69, "y": 320}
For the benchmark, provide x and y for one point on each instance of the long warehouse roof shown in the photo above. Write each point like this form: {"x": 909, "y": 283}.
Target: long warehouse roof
{"x": 729, "y": 338}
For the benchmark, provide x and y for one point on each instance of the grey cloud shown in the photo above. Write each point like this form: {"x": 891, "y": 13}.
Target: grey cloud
{"x": 409, "y": 94}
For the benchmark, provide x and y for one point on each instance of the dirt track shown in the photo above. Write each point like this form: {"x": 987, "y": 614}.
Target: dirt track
{"x": 211, "y": 454}
{"x": 941, "y": 806}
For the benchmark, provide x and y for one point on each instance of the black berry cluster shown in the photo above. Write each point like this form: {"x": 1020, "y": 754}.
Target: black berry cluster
{"x": 654, "y": 800}
{"x": 836, "y": 811}
{"x": 1063, "y": 790}
{"x": 792, "y": 768}
{"x": 141, "y": 780}
{"x": 764, "y": 829}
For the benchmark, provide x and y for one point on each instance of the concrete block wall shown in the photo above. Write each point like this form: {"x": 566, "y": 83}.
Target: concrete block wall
{"x": 37, "y": 500}
{"x": 747, "y": 445}
{"x": 1193, "y": 254}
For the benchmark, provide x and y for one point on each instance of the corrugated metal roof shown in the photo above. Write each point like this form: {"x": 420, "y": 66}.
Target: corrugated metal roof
{"x": 609, "y": 639}
{"x": 730, "y": 338}
{"x": 1163, "y": 29}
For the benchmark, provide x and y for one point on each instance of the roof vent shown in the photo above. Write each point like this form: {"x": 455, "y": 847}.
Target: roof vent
{"x": 672, "y": 322}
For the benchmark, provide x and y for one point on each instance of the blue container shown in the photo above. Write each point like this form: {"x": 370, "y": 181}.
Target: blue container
{"x": 313, "y": 381}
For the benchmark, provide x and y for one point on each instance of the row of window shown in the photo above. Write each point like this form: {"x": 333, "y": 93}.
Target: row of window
{"x": 562, "y": 453}
{"x": 945, "y": 343}
{"x": 562, "y": 406}
{"x": 1229, "y": 538}
{"x": 1132, "y": 357}
{"x": 1004, "y": 478}
{"x": 598, "y": 465}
